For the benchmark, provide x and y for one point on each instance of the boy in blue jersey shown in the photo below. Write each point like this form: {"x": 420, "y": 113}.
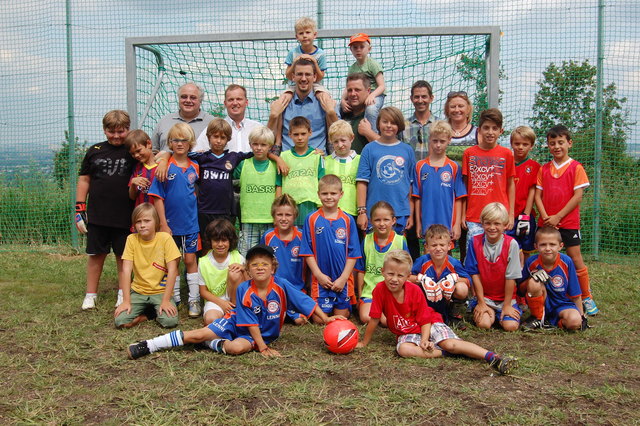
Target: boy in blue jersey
{"x": 551, "y": 285}
{"x": 439, "y": 182}
{"x": 255, "y": 322}
{"x": 331, "y": 247}
{"x": 386, "y": 172}
{"x": 443, "y": 279}
{"x": 285, "y": 239}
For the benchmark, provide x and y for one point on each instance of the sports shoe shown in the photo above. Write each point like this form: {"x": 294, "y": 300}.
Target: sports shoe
{"x": 504, "y": 364}
{"x": 534, "y": 323}
{"x": 89, "y": 302}
{"x": 456, "y": 322}
{"x": 138, "y": 350}
{"x": 195, "y": 310}
{"x": 119, "y": 300}
{"x": 590, "y": 307}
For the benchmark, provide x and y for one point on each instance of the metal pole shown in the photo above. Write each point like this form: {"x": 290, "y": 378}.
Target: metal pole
{"x": 320, "y": 15}
{"x": 73, "y": 169}
{"x": 597, "y": 165}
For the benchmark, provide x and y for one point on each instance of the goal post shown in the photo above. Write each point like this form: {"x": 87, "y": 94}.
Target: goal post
{"x": 158, "y": 66}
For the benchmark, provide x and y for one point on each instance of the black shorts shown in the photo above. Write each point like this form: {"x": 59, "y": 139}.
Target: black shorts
{"x": 102, "y": 239}
{"x": 570, "y": 237}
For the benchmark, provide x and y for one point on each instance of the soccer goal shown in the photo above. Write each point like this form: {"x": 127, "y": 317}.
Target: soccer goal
{"x": 450, "y": 58}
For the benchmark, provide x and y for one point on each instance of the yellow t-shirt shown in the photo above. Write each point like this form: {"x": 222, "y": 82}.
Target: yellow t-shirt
{"x": 150, "y": 260}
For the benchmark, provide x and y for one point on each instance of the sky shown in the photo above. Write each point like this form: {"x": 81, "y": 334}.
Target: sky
{"x": 33, "y": 93}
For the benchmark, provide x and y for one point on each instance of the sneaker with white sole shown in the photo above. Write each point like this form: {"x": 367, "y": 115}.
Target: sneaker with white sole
{"x": 590, "y": 307}
{"x": 89, "y": 302}
{"x": 195, "y": 310}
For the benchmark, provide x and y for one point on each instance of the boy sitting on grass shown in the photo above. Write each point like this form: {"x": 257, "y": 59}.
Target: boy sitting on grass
{"x": 255, "y": 322}
{"x": 420, "y": 330}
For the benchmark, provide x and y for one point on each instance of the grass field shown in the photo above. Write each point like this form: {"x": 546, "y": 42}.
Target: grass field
{"x": 62, "y": 365}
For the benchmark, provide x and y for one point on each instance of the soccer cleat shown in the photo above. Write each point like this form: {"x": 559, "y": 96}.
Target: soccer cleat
{"x": 456, "y": 322}
{"x": 89, "y": 302}
{"x": 195, "y": 310}
{"x": 138, "y": 350}
{"x": 119, "y": 300}
{"x": 504, "y": 365}
{"x": 534, "y": 323}
{"x": 590, "y": 307}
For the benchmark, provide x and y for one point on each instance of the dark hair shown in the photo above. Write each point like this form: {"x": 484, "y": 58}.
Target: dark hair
{"x": 557, "y": 131}
{"x": 221, "y": 229}
{"x": 422, "y": 84}
{"x": 135, "y": 138}
{"x": 394, "y": 115}
{"x": 234, "y": 87}
{"x": 492, "y": 114}
{"x": 299, "y": 121}
{"x": 548, "y": 230}
{"x": 360, "y": 76}
{"x": 302, "y": 61}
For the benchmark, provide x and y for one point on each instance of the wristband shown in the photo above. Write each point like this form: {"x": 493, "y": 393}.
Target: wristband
{"x": 361, "y": 210}
{"x": 81, "y": 206}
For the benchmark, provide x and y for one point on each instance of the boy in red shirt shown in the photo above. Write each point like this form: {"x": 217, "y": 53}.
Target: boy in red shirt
{"x": 559, "y": 188}
{"x": 488, "y": 171}
{"x": 420, "y": 330}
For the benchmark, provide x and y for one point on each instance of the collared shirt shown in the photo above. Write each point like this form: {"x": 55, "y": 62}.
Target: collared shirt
{"x": 239, "y": 138}
{"x": 198, "y": 124}
{"x": 417, "y": 135}
{"x": 310, "y": 108}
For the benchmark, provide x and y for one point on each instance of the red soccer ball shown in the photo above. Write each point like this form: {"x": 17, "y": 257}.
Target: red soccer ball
{"x": 341, "y": 336}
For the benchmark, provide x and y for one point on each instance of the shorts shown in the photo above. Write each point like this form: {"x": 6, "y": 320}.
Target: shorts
{"x": 208, "y": 306}
{"x": 339, "y": 301}
{"x": 570, "y": 237}
{"x": 439, "y": 332}
{"x": 526, "y": 243}
{"x": 250, "y": 234}
{"x": 366, "y": 300}
{"x": 553, "y": 315}
{"x": 225, "y": 328}
{"x": 103, "y": 239}
{"x": 496, "y": 306}
{"x": 139, "y": 303}
{"x": 188, "y": 243}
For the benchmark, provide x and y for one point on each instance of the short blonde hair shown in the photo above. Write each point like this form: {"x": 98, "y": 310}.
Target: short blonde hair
{"x": 304, "y": 23}
{"x": 219, "y": 125}
{"x": 145, "y": 208}
{"x": 525, "y": 132}
{"x": 398, "y": 256}
{"x": 261, "y": 134}
{"x": 329, "y": 180}
{"x": 441, "y": 127}
{"x": 182, "y": 131}
{"x": 116, "y": 119}
{"x": 340, "y": 128}
{"x": 494, "y": 212}
{"x": 437, "y": 231}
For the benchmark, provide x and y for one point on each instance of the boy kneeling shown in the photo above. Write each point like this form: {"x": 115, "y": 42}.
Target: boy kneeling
{"x": 420, "y": 330}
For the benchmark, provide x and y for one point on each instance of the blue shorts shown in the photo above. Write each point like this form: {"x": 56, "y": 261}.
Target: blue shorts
{"x": 497, "y": 307}
{"x": 188, "y": 243}
{"x": 225, "y": 328}
{"x": 553, "y": 314}
{"x": 339, "y": 301}
{"x": 526, "y": 242}
{"x": 366, "y": 300}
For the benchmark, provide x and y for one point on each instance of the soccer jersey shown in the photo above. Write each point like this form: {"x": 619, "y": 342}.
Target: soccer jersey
{"x": 257, "y": 190}
{"x": 526, "y": 176}
{"x": 268, "y": 314}
{"x": 178, "y": 192}
{"x": 558, "y": 182}
{"x": 290, "y": 264}
{"x": 424, "y": 265}
{"x": 215, "y": 194}
{"x": 148, "y": 172}
{"x": 407, "y": 317}
{"x": 346, "y": 169}
{"x": 373, "y": 253}
{"x": 109, "y": 169}
{"x": 304, "y": 172}
{"x": 562, "y": 285}
{"x": 389, "y": 170}
{"x": 438, "y": 188}
{"x": 488, "y": 173}
{"x": 331, "y": 242}
{"x": 213, "y": 275}
{"x": 150, "y": 259}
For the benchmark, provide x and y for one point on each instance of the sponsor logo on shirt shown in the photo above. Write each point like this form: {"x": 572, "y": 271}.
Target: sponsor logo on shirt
{"x": 319, "y": 230}
{"x": 192, "y": 177}
{"x": 228, "y": 165}
{"x": 273, "y": 307}
{"x": 557, "y": 282}
{"x": 295, "y": 250}
{"x": 389, "y": 170}
{"x": 159, "y": 266}
{"x": 256, "y": 310}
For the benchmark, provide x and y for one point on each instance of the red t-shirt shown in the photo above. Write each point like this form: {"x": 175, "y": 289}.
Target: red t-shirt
{"x": 488, "y": 173}
{"x": 403, "y": 318}
{"x": 526, "y": 176}
{"x": 558, "y": 182}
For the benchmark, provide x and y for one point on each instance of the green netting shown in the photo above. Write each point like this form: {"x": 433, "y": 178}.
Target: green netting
{"x": 544, "y": 45}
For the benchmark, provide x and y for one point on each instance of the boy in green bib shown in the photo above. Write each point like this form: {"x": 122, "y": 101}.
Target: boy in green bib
{"x": 306, "y": 167}
{"x": 343, "y": 162}
{"x": 257, "y": 188}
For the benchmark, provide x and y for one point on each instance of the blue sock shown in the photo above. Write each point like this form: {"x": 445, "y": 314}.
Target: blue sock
{"x": 490, "y": 356}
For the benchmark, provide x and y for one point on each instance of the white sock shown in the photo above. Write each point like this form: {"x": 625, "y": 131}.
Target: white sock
{"x": 169, "y": 340}
{"x": 194, "y": 287}
{"x": 91, "y": 294}
{"x": 176, "y": 290}
{"x": 217, "y": 345}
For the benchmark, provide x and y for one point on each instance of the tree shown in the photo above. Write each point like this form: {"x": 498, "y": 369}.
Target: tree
{"x": 567, "y": 96}
{"x": 61, "y": 159}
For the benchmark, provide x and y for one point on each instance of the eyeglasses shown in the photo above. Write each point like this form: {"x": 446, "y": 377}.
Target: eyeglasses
{"x": 179, "y": 141}
{"x": 454, "y": 94}
{"x": 259, "y": 264}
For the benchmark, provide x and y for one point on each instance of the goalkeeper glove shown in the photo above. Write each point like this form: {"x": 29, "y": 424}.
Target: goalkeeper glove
{"x": 523, "y": 227}
{"x": 431, "y": 288}
{"x": 540, "y": 275}
{"x": 448, "y": 284}
{"x": 81, "y": 217}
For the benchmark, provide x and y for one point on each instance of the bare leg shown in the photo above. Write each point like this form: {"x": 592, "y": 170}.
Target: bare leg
{"x": 95, "y": 264}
